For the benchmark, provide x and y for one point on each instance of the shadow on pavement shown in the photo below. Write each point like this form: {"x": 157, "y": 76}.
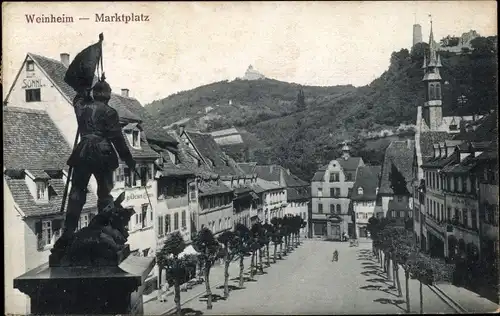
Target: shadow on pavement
{"x": 373, "y": 272}
{"x": 230, "y": 287}
{"x": 215, "y": 298}
{"x": 246, "y": 279}
{"x": 380, "y": 280}
{"x": 378, "y": 288}
{"x": 190, "y": 312}
{"x": 392, "y": 302}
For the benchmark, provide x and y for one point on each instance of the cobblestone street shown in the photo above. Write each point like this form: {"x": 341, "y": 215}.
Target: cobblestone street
{"x": 308, "y": 282}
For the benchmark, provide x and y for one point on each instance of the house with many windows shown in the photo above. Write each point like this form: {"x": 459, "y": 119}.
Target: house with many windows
{"x": 364, "y": 197}
{"x": 40, "y": 85}
{"x": 34, "y": 178}
{"x": 331, "y": 188}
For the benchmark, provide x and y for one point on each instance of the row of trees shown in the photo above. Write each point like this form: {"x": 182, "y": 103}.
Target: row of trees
{"x": 395, "y": 244}
{"x": 230, "y": 245}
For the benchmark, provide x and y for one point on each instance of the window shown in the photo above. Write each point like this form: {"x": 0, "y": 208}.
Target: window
{"x": 41, "y": 190}
{"x": 176, "y": 221}
{"x": 465, "y": 218}
{"x": 167, "y": 224}
{"x": 332, "y": 208}
{"x": 400, "y": 198}
{"x": 332, "y": 191}
{"x": 349, "y": 192}
{"x": 473, "y": 215}
{"x": 183, "y": 219}
{"x": 337, "y": 192}
{"x": 438, "y": 91}
{"x": 320, "y": 192}
{"x": 334, "y": 177}
{"x": 160, "y": 226}
{"x": 84, "y": 221}
{"x": 128, "y": 177}
{"x": 145, "y": 173}
{"x": 33, "y": 95}
{"x": 220, "y": 224}
{"x": 320, "y": 208}
{"x": 30, "y": 65}
{"x": 393, "y": 214}
{"x": 144, "y": 213}
{"x": 348, "y": 176}
{"x": 449, "y": 213}
{"x": 339, "y": 209}
{"x": 360, "y": 191}
{"x": 135, "y": 139}
{"x": 432, "y": 94}
{"x": 119, "y": 175}
{"x": 192, "y": 190}
{"x": 47, "y": 231}
{"x": 365, "y": 215}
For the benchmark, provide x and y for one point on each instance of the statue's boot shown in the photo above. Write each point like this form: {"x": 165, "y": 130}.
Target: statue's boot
{"x": 60, "y": 248}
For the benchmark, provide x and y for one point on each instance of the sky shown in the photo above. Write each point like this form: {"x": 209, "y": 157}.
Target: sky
{"x": 186, "y": 45}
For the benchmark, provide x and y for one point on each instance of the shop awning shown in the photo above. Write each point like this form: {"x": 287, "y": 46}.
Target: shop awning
{"x": 189, "y": 250}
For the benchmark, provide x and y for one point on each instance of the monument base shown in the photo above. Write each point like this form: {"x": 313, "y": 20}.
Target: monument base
{"x": 87, "y": 290}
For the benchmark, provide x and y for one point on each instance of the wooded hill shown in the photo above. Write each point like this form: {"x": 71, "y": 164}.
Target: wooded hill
{"x": 301, "y": 127}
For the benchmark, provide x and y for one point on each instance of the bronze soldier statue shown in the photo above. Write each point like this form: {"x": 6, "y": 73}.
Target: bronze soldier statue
{"x": 100, "y": 130}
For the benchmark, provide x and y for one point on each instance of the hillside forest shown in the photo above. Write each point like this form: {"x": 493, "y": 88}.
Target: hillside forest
{"x": 301, "y": 127}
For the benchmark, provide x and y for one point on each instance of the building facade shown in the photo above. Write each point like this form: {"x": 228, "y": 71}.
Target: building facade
{"x": 331, "y": 189}
{"x": 35, "y": 174}
{"x": 364, "y": 197}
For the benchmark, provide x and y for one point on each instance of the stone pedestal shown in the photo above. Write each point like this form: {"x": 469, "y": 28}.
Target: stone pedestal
{"x": 87, "y": 290}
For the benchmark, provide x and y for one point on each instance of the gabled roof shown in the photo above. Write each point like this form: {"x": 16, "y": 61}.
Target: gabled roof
{"x": 428, "y": 139}
{"x": 55, "y": 71}
{"x": 33, "y": 142}
{"x": 276, "y": 172}
{"x": 145, "y": 152}
{"x": 349, "y": 164}
{"x": 367, "y": 177}
{"x": 248, "y": 167}
{"x": 400, "y": 154}
{"x": 209, "y": 149}
{"x": 186, "y": 157}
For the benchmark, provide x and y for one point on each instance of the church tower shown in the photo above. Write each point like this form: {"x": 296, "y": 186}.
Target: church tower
{"x": 432, "y": 112}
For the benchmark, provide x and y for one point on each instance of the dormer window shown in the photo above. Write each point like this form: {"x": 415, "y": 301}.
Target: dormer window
{"x": 42, "y": 193}
{"x": 136, "y": 140}
{"x": 360, "y": 191}
{"x": 30, "y": 65}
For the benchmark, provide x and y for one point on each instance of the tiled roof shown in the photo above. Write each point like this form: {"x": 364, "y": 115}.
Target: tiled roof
{"x": 149, "y": 123}
{"x": 487, "y": 129}
{"x": 267, "y": 185}
{"x": 268, "y": 172}
{"x": 438, "y": 163}
{"x": 56, "y": 71}
{"x": 32, "y": 142}
{"x": 428, "y": 139}
{"x": 257, "y": 188}
{"x": 274, "y": 173}
{"x": 211, "y": 187}
{"x": 209, "y": 149}
{"x": 400, "y": 154}
{"x": 185, "y": 155}
{"x": 349, "y": 164}
{"x": 464, "y": 166}
{"x": 367, "y": 177}
{"x": 318, "y": 175}
{"x": 298, "y": 194}
{"x": 145, "y": 152}
{"x": 248, "y": 167}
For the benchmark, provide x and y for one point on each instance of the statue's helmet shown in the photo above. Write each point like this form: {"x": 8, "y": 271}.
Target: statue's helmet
{"x": 101, "y": 90}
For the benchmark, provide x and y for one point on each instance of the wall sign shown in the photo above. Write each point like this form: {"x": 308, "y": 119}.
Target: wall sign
{"x": 32, "y": 84}
{"x": 462, "y": 202}
{"x": 135, "y": 196}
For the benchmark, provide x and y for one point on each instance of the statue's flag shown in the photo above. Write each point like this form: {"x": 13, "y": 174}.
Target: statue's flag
{"x": 80, "y": 73}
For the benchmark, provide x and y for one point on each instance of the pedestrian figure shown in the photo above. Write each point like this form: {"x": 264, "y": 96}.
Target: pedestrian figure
{"x": 335, "y": 255}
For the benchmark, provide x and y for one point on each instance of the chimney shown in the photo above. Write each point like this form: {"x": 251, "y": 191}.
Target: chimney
{"x": 125, "y": 93}
{"x": 65, "y": 59}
